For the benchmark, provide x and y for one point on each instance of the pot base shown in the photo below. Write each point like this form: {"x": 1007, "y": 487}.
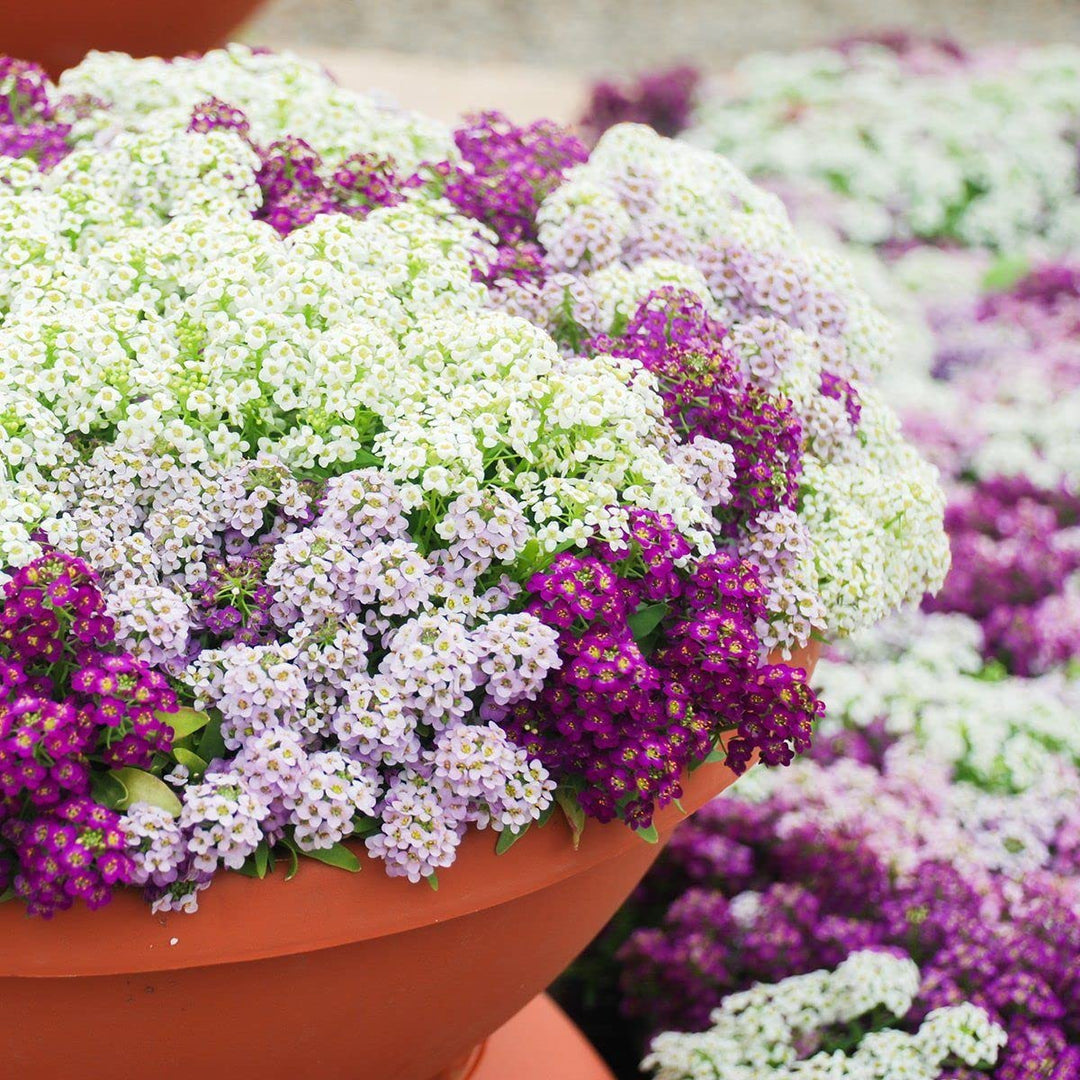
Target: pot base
{"x": 540, "y": 1043}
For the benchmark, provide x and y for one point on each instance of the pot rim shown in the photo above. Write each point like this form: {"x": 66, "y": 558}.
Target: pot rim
{"x": 245, "y": 919}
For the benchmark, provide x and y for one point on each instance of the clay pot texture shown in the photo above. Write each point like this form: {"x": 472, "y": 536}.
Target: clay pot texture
{"x": 332, "y": 975}
{"x": 58, "y": 33}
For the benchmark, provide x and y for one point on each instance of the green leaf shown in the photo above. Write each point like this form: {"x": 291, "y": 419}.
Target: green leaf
{"x": 211, "y": 745}
{"x": 546, "y": 813}
{"x": 718, "y": 755}
{"x": 338, "y": 855}
{"x": 649, "y": 835}
{"x": 107, "y": 790}
{"x": 364, "y": 458}
{"x": 366, "y": 826}
{"x": 160, "y": 763}
{"x": 184, "y": 721}
{"x": 247, "y": 868}
{"x": 262, "y": 859}
{"x": 140, "y": 786}
{"x": 294, "y": 858}
{"x": 6, "y": 895}
{"x": 508, "y": 838}
{"x": 646, "y": 619}
{"x": 191, "y": 761}
{"x": 575, "y": 816}
{"x": 433, "y": 881}
{"x": 1005, "y": 272}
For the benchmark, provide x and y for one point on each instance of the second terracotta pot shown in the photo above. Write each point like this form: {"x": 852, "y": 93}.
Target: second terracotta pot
{"x": 58, "y": 33}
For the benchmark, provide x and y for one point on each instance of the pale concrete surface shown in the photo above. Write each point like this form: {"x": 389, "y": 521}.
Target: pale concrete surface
{"x": 595, "y": 36}
{"x": 446, "y": 90}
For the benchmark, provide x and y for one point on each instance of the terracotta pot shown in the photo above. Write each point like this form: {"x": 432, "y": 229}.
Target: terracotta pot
{"x": 334, "y": 975}
{"x": 540, "y": 1043}
{"x": 58, "y": 33}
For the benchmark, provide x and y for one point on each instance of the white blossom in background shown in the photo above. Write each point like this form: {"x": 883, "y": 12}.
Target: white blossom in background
{"x": 761, "y": 1033}
{"x": 981, "y": 152}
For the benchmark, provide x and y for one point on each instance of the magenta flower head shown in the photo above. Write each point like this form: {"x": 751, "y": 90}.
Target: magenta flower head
{"x": 657, "y": 662}
{"x": 70, "y": 706}
{"x": 28, "y": 127}
{"x": 508, "y": 170}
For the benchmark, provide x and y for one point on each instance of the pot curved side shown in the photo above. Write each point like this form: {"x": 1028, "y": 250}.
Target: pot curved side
{"x": 58, "y": 33}
{"x": 332, "y": 974}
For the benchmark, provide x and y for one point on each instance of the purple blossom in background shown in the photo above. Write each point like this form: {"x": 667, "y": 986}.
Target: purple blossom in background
{"x": 662, "y": 99}
{"x": 1048, "y": 287}
{"x": 1012, "y": 554}
{"x": 740, "y": 898}
{"x": 1012, "y": 358}
{"x": 923, "y": 53}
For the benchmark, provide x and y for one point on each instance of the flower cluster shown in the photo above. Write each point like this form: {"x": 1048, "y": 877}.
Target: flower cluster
{"x": 755, "y": 893}
{"x": 763, "y": 1032}
{"x": 709, "y": 399}
{"x": 910, "y": 142}
{"x": 291, "y": 175}
{"x": 29, "y": 127}
{"x": 425, "y": 470}
{"x": 657, "y": 664}
{"x": 72, "y": 706}
{"x": 505, "y": 172}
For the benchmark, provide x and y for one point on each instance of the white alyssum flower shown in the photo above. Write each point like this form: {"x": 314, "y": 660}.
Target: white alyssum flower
{"x": 755, "y": 1034}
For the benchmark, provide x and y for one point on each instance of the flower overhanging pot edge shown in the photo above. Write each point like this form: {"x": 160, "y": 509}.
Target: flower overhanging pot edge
{"x": 243, "y": 919}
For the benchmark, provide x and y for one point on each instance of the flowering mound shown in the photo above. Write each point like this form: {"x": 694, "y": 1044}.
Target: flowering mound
{"x": 911, "y": 140}
{"x": 1007, "y": 360}
{"x": 411, "y": 480}
{"x": 764, "y": 1032}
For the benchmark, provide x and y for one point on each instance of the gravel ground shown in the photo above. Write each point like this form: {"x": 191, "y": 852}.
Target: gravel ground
{"x": 593, "y": 36}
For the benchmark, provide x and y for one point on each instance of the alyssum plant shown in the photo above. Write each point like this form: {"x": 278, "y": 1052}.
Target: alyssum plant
{"x": 363, "y": 479}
